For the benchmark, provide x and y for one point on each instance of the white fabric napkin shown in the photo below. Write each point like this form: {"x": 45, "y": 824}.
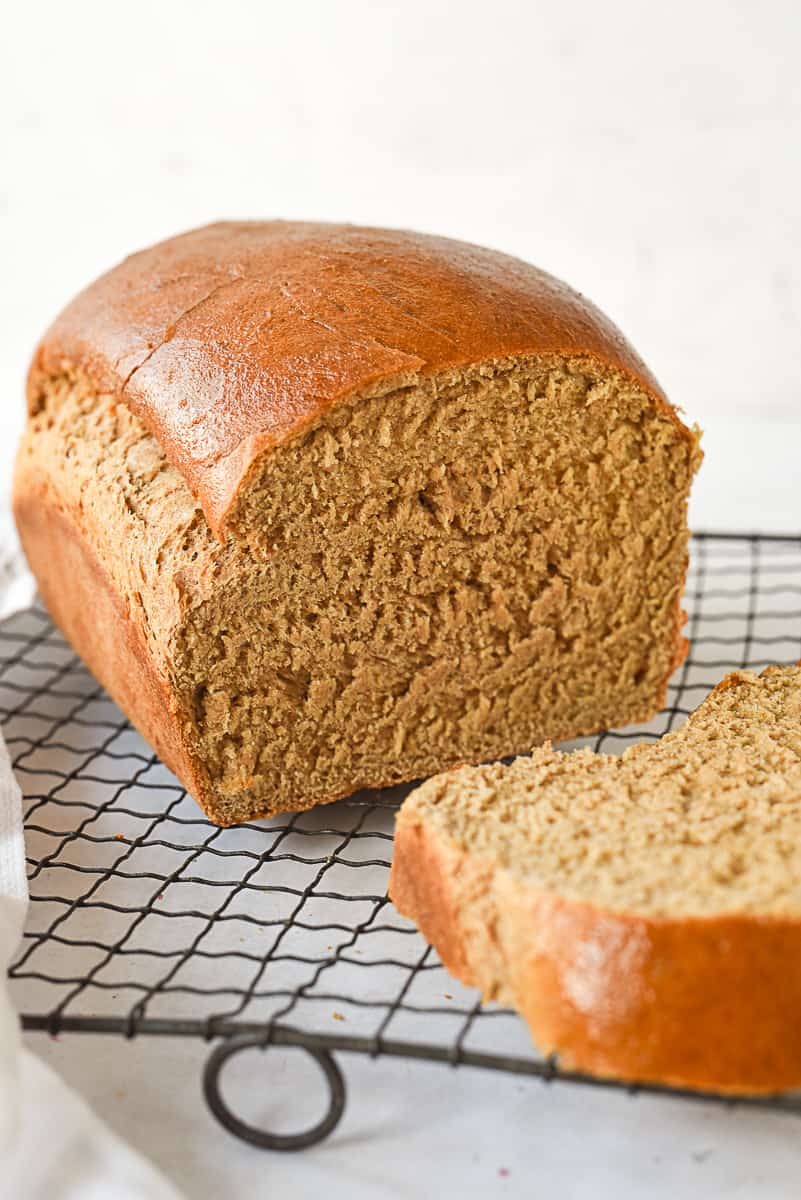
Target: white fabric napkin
{"x": 52, "y": 1147}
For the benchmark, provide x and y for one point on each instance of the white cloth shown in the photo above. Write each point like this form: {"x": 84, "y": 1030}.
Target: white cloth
{"x": 52, "y": 1147}
{"x": 17, "y": 587}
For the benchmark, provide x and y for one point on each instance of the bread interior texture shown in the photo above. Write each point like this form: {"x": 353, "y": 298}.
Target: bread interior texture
{"x": 451, "y": 571}
{"x": 706, "y": 821}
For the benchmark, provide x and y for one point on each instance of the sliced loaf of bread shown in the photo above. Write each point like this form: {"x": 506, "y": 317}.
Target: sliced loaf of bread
{"x": 325, "y": 508}
{"x": 642, "y": 911}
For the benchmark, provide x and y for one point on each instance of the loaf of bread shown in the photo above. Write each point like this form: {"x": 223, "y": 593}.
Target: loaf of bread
{"x": 642, "y": 912}
{"x": 326, "y": 507}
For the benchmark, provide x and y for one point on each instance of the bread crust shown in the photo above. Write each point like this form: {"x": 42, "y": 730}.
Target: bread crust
{"x": 231, "y": 339}
{"x": 707, "y": 1003}
{"x": 90, "y": 611}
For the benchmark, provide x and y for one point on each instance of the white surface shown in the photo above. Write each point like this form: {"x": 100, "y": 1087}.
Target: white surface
{"x": 648, "y": 154}
{"x": 417, "y": 1131}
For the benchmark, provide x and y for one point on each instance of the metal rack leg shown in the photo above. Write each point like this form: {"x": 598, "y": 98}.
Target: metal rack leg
{"x": 259, "y": 1137}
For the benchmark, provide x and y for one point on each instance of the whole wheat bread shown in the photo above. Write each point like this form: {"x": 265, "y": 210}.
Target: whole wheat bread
{"x": 327, "y": 507}
{"x": 642, "y": 912}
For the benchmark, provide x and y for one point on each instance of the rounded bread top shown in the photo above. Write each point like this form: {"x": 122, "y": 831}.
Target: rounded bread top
{"x": 230, "y": 339}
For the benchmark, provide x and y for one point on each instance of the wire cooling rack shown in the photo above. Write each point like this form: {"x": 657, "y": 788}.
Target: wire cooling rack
{"x": 146, "y": 919}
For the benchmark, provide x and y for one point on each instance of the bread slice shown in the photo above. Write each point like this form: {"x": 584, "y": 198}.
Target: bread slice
{"x": 327, "y": 508}
{"x": 642, "y": 912}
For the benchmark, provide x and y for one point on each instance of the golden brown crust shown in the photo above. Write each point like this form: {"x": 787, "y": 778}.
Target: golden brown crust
{"x": 89, "y": 610}
{"x": 422, "y": 870}
{"x": 706, "y": 1003}
{"x": 228, "y": 340}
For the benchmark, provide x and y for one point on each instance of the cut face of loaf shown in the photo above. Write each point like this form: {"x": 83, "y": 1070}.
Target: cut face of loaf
{"x": 447, "y": 562}
{"x": 642, "y": 912}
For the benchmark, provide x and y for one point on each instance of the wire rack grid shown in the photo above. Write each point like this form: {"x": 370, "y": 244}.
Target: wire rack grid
{"x": 147, "y": 919}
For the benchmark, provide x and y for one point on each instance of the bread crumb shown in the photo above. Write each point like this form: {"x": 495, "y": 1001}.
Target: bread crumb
{"x": 430, "y": 608}
{"x": 705, "y": 820}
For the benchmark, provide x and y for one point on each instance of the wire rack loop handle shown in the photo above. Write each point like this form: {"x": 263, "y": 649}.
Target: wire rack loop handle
{"x": 260, "y": 1137}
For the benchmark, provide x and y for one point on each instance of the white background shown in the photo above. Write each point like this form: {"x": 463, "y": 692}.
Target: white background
{"x": 649, "y": 154}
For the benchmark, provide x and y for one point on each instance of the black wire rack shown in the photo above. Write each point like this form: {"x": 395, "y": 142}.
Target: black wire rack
{"x": 145, "y": 919}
